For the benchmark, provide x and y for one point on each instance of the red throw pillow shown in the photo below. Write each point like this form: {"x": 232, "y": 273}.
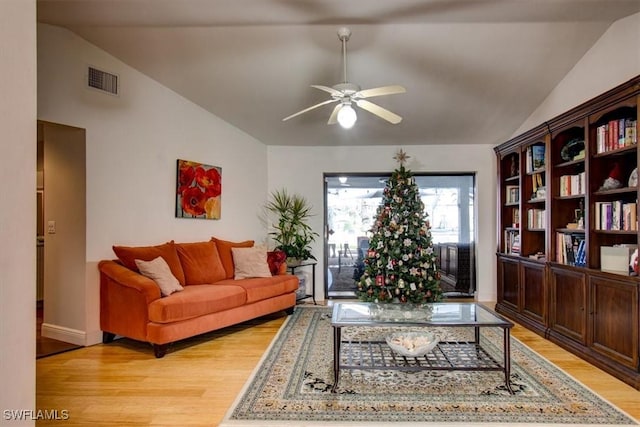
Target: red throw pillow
{"x": 224, "y": 250}
{"x": 129, "y": 254}
{"x": 276, "y": 259}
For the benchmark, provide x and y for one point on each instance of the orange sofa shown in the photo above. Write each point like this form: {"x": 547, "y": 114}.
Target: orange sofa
{"x": 211, "y": 298}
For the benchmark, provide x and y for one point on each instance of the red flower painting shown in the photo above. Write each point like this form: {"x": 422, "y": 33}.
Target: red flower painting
{"x": 199, "y": 190}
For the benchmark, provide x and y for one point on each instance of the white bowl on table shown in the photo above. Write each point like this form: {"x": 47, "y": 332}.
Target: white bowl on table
{"x": 412, "y": 344}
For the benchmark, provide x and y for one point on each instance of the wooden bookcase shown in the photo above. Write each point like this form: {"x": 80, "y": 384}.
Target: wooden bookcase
{"x": 556, "y": 211}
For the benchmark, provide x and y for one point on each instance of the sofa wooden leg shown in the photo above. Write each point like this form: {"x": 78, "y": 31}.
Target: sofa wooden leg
{"x": 160, "y": 350}
{"x": 289, "y": 310}
{"x": 107, "y": 337}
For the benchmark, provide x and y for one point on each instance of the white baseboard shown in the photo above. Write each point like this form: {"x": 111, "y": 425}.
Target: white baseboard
{"x": 61, "y": 333}
{"x": 93, "y": 338}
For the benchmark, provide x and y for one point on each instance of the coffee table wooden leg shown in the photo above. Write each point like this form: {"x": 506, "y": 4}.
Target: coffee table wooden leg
{"x": 337, "y": 338}
{"x": 507, "y": 359}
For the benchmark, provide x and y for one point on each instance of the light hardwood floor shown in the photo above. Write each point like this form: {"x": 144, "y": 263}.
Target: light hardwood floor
{"x": 122, "y": 384}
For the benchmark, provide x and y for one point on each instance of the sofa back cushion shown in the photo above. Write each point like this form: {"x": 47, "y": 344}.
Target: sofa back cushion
{"x": 201, "y": 263}
{"x": 224, "y": 249}
{"x": 129, "y": 254}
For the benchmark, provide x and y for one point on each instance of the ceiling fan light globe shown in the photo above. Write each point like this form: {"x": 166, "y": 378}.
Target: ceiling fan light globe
{"x": 347, "y": 116}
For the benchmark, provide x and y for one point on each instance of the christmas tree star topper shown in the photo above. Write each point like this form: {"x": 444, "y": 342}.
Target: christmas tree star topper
{"x": 401, "y": 157}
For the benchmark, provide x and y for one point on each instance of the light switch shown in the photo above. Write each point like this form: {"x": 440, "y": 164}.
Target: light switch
{"x": 51, "y": 227}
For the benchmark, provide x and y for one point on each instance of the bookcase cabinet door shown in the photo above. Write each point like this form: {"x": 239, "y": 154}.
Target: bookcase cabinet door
{"x": 509, "y": 283}
{"x": 614, "y": 314}
{"x": 533, "y": 290}
{"x": 568, "y": 312}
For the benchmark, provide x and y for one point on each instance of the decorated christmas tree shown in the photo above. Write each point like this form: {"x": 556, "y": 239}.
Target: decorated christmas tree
{"x": 400, "y": 265}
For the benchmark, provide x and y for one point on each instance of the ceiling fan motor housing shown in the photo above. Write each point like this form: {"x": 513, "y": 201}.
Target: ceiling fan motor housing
{"x": 347, "y": 88}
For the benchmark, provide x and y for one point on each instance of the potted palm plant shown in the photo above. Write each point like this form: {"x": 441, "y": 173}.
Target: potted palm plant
{"x": 291, "y": 232}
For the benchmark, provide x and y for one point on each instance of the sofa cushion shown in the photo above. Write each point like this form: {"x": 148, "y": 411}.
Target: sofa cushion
{"x": 250, "y": 262}
{"x": 261, "y": 288}
{"x": 276, "y": 260}
{"x": 129, "y": 254}
{"x": 196, "y": 300}
{"x": 200, "y": 262}
{"x": 224, "y": 250}
{"x": 158, "y": 270}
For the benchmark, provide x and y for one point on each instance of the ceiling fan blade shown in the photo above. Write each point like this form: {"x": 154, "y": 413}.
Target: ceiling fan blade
{"x": 333, "y": 119}
{"x": 379, "y": 111}
{"x": 310, "y": 108}
{"x": 331, "y": 90}
{"x": 379, "y": 91}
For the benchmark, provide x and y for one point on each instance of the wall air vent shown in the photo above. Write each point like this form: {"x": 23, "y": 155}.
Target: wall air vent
{"x": 103, "y": 81}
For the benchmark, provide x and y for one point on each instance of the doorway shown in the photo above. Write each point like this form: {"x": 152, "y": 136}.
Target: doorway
{"x": 60, "y": 237}
{"x": 351, "y": 202}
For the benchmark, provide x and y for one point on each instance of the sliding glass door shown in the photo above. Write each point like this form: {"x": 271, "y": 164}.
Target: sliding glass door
{"x": 351, "y": 202}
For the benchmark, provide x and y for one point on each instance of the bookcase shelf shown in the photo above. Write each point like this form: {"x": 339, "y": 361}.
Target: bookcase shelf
{"x": 616, "y": 152}
{"x": 621, "y": 232}
{"x": 570, "y": 230}
{"x": 616, "y": 191}
{"x": 575, "y": 197}
{"x": 569, "y": 163}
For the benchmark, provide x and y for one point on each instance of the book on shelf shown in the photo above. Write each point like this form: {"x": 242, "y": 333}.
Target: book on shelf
{"x": 540, "y": 256}
{"x": 616, "y": 215}
{"x": 535, "y": 157}
{"x": 570, "y": 249}
{"x": 616, "y": 134}
{"x": 512, "y": 242}
{"x": 581, "y": 255}
{"x": 571, "y": 185}
{"x": 512, "y": 193}
{"x": 536, "y": 219}
{"x": 538, "y": 187}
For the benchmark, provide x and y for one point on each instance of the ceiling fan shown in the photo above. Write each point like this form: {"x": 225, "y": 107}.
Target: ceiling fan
{"x": 347, "y": 94}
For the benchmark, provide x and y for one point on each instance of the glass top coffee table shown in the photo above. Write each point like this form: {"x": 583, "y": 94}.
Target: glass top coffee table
{"x": 374, "y": 353}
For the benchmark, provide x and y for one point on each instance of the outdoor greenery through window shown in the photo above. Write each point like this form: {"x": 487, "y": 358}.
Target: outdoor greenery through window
{"x": 350, "y": 206}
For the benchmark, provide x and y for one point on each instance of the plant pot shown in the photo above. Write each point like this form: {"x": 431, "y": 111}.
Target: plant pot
{"x": 292, "y": 262}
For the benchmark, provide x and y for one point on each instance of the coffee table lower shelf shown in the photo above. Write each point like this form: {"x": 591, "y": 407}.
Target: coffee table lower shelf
{"x": 447, "y": 356}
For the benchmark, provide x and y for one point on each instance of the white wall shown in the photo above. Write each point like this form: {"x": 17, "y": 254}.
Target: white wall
{"x": 612, "y": 60}
{"x": 18, "y": 206}
{"x": 300, "y": 170}
{"x": 132, "y": 144}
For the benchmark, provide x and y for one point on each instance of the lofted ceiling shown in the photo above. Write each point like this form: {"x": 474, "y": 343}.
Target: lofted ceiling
{"x": 474, "y": 70}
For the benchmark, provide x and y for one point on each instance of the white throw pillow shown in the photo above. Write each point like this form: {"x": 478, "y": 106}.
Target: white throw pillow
{"x": 158, "y": 270}
{"x": 250, "y": 262}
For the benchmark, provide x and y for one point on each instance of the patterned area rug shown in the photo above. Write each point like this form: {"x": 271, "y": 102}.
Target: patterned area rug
{"x": 291, "y": 386}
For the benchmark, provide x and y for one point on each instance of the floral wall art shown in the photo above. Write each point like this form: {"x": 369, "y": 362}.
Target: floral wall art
{"x": 199, "y": 190}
